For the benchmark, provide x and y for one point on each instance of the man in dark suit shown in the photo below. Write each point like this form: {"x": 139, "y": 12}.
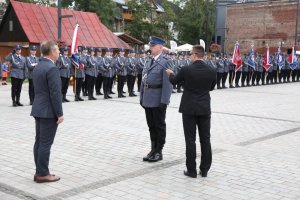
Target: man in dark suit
{"x": 46, "y": 109}
{"x": 198, "y": 79}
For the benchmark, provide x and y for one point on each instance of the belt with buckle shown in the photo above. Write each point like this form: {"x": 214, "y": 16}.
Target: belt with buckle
{"x": 153, "y": 86}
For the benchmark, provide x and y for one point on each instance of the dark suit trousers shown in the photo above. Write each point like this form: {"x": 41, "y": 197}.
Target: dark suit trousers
{"x": 64, "y": 85}
{"x": 156, "y": 120}
{"x": 224, "y": 78}
{"x": 219, "y": 77}
{"x": 231, "y": 77}
{"x": 106, "y": 84}
{"x": 31, "y": 90}
{"x": 79, "y": 82}
{"x": 45, "y": 133}
{"x": 237, "y": 77}
{"x": 189, "y": 125}
{"x": 16, "y": 87}
{"x": 99, "y": 82}
{"x": 121, "y": 82}
{"x": 90, "y": 83}
{"x": 130, "y": 83}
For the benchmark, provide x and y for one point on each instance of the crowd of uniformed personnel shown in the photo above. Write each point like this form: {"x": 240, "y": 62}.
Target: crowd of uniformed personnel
{"x": 93, "y": 69}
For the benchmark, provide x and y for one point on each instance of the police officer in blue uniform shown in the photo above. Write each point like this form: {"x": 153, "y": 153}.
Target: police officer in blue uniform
{"x": 64, "y": 65}
{"x": 131, "y": 72}
{"x": 18, "y": 67}
{"x": 141, "y": 61}
{"x": 120, "y": 63}
{"x": 31, "y": 62}
{"x": 91, "y": 72}
{"x": 155, "y": 96}
{"x": 83, "y": 62}
{"x": 78, "y": 63}
{"x": 100, "y": 69}
{"x": 108, "y": 73}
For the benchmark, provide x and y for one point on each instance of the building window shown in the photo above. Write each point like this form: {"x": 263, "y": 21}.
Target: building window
{"x": 11, "y": 25}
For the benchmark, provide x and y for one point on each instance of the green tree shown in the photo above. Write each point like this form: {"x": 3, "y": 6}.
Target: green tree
{"x": 40, "y": 2}
{"x": 147, "y": 22}
{"x": 191, "y": 21}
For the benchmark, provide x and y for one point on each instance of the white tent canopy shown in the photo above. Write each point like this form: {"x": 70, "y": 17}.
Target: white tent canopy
{"x": 185, "y": 47}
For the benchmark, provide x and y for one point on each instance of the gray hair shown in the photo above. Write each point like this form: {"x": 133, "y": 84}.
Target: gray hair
{"x": 47, "y": 47}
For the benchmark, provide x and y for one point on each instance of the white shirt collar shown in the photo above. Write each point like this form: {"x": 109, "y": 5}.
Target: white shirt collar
{"x": 156, "y": 57}
{"x": 49, "y": 59}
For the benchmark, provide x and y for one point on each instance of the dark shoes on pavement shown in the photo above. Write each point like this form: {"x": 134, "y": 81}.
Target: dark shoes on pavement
{"x": 194, "y": 174}
{"x": 44, "y": 179}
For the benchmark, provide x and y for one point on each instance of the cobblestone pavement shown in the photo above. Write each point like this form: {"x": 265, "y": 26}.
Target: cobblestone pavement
{"x": 98, "y": 150}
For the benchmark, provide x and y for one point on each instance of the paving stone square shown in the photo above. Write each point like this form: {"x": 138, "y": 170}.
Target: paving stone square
{"x": 98, "y": 150}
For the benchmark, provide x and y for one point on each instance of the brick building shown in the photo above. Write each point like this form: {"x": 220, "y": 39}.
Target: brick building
{"x": 270, "y": 22}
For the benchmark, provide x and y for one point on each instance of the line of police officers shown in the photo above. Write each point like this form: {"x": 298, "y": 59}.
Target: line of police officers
{"x": 94, "y": 68}
{"x": 252, "y": 76}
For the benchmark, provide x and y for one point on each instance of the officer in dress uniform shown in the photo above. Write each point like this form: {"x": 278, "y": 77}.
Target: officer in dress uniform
{"x": 120, "y": 63}
{"x": 155, "y": 96}
{"x": 174, "y": 62}
{"x": 231, "y": 72}
{"x": 275, "y": 70}
{"x": 31, "y": 62}
{"x": 226, "y": 69}
{"x": 238, "y": 74}
{"x": 298, "y": 70}
{"x": 108, "y": 73}
{"x": 245, "y": 71}
{"x": 131, "y": 72}
{"x": 91, "y": 72}
{"x": 100, "y": 69}
{"x": 220, "y": 71}
{"x": 141, "y": 61}
{"x": 64, "y": 65}
{"x": 259, "y": 70}
{"x": 269, "y": 77}
{"x": 83, "y": 61}
{"x": 18, "y": 67}
{"x": 78, "y": 62}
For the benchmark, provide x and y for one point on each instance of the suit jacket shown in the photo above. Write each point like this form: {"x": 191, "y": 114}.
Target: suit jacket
{"x": 155, "y": 74}
{"x": 47, "y": 88}
{"x": 199, "y": 78}
{"x": 64, "y": 65}
{"x": 30, "y": 64}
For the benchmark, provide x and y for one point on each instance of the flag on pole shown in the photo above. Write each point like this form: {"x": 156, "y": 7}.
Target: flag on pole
{"x": 292, "y": 59}
{"x": 251, "y": 59}
{"x": 280, "y": 61}
{"x": 266, "y": 61}
{"x": 75, "y": 40}
{"x": 236, "y": 58}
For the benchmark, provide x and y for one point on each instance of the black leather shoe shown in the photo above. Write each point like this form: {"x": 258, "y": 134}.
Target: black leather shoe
{"x": 123, "y": 92}
{"x": 80, "y": 99}
{"x": 66, "y": 100}
{"x": 134, "y": 95}
{"x": 93, "y": 98}
{"x": 111, "y": 92}
{"x": 109, "y": 97}
{"x": 19, "y": 104}
{"x": 203, "y": 174}
{"x": 157, "y": 156}
{"x": 190, "y": 174}
{"x": 100, "y": 93}
{"x": 14, "y": 104}
{"x": 146, "y": 158}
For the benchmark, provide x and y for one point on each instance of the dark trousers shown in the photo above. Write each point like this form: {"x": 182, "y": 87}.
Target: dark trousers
{"x": 139, "y": 81}
{"x": 31, "y": 90}
{"x": 156, "y": 120}
{"x": 79, "y": 82}
{"x": 121, "y": 83}
{"x": 298, "y": 74}
{"x": 90, "y": 83}
{"x": 231, "y": 77}
{"x": 275, "y": 76}
{"x": 294, "y": 74}
{"x": 245, "y": 78}
{"x": 224, "y": 78}
{"x": 237, "y": 77}
{"x": 45, "y": 132}
{"x": 84, "y": 86}
{"x": 269, "y": 77}
{"x": 106, "y": 84}
{"x": 130, "y": 83}
{"x": 288, "y": 75}
{"x": 258, "y": 77}
{"x": 99, "y": 82}
{"x": 253, "y": 77}
{"x": 189, "y": 125}
{"x": 263, "y": 77}
{"x": 16, "y": 87}
{"x": 64, "y": 85}
{"x": 281, "y": 76}
{"x": 219, "y": 77}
